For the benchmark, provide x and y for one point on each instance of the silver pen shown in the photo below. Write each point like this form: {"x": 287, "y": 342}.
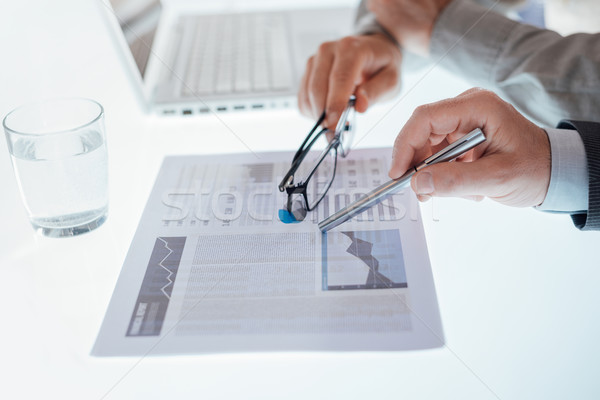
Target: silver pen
{"x": 449, "y": 153}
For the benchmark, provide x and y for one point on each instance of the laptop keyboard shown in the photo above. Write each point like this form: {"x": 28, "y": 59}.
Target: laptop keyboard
{"x": 238, "y": 53}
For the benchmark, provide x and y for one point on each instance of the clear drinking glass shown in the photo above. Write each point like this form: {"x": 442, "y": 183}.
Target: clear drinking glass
{"x": 58, "y": 152}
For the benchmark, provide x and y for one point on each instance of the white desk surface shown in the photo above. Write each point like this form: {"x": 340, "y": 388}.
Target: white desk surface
{"x": 517, "y": 289}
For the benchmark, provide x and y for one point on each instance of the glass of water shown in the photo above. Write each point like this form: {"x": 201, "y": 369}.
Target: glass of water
{"x": 58, "y": 152}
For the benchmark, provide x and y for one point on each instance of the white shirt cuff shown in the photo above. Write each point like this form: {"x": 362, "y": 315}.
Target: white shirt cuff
{"x": 568, "y": 189}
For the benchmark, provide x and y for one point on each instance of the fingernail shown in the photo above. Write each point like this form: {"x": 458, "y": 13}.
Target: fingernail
{"x": 424, "y": 183}
{"x": 423, "y": 198}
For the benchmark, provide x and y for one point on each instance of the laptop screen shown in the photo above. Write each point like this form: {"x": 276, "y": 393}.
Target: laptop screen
{"x": 138, "y": 20}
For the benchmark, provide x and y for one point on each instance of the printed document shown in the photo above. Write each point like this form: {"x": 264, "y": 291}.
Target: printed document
{"x": 212, "y": 268}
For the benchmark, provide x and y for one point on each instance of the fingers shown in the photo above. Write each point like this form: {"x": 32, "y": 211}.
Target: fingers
{"x": 378, "y": 86}
{"x": 367, "y": 66}
{"x": 318, "y": 80}
{"x": 458, "y": 179}
{"x": 512, "y": 166}
{"x": 330, "y": 79}
{"x": 452, "y": 118}
{"x": 303, "y": 98}
{"x": 346, "y": 74}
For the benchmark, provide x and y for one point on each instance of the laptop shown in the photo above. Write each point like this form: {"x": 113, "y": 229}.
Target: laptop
{"x": 188, "y": 61}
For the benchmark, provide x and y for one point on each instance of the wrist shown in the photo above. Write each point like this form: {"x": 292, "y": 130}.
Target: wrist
{"x": 417, "y": 38}
{"x": 385, "y": 37}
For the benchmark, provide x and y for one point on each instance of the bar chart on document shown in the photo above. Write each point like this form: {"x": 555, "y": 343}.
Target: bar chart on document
{"x": 213, "y": 269}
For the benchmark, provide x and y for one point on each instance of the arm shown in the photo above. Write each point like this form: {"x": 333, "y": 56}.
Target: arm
{"x": 545, "y": 75}
{"x": 519, "y": 165}
{"x": 366, "y": 65}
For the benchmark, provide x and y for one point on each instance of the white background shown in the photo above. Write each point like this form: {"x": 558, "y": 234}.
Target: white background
{"x": 517, "y": 289}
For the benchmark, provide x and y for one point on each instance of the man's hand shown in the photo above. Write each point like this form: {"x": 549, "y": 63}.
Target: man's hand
{"x": 410, "y": 22}
{"x": 366, "y": 66}
{"x": 512, "y": 166}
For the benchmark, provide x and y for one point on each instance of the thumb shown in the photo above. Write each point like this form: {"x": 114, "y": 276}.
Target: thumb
{"x": 385, "y": 81}
{"x": 455, "y": 179}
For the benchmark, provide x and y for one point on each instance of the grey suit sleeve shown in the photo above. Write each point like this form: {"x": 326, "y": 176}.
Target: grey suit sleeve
{"x": 547, "y": 76}
{"x": 590, "y": 134}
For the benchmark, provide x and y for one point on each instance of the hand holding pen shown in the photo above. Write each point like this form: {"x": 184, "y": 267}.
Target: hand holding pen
{"x": 512, "y": 166}
{"x": 447, "y": 154}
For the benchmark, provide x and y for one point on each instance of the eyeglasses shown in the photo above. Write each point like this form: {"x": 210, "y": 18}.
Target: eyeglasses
{"x": 316, "y": 175}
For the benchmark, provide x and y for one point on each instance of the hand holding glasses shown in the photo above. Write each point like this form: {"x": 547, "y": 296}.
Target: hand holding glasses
{"x": 307, "y": 181}
{"x": 306, "y": 195}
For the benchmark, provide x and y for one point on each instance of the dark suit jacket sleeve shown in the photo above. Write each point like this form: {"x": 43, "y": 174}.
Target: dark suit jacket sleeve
{"x": 590, "y": 134}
